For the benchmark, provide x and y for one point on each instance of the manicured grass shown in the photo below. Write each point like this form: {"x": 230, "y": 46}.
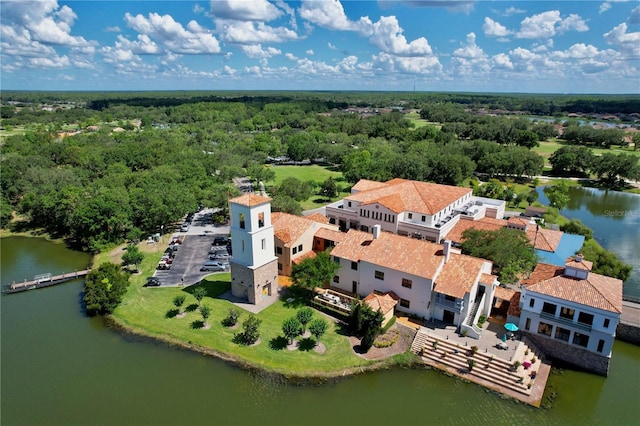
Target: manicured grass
{"x": 418, "y": 122}
{"x": 547, "y": 148}
{"x": 150, "y": 311}
{"x": 317, "y": 174}
{"x": 313, "y": 172}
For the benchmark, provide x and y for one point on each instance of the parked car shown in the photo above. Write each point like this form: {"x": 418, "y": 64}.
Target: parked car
{"x": 162, "y": 265}
{"x": 166, "y": 258}
{"x": 176, "y": 240}
{"x": 213, "y": 266}
{"x": 219, "y": 256}
{"x": 184, "y": 227}
{"x": 220, "y": 241}
{"x": 217, "y": 249}
{"x": 153, "y": 282}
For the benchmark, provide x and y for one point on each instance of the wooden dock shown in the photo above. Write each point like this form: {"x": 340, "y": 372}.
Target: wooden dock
{"x": 44, "y": 280}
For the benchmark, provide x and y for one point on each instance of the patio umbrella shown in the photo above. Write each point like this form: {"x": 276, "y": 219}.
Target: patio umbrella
{"x": 511, "y": 326}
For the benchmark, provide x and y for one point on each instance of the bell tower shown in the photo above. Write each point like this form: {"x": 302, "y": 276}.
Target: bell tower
{"x": 254, "y": 266}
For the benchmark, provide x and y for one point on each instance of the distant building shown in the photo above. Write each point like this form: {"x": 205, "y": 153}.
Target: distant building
{"x": 572, "y": 313}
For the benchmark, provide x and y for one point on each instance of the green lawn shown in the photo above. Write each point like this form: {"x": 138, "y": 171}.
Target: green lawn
{"x": 315, "y": 173}
{"x": 547, "y": 148}
{"x": 149, "y": 311}
{"x": 418, "y": 122}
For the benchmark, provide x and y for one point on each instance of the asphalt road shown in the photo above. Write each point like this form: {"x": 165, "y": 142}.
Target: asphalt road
{"x": 192, "y": 253}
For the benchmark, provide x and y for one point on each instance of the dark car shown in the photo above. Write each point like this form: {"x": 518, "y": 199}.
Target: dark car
{"x": 153, "y": 282}
{"x": 220, "y": 241}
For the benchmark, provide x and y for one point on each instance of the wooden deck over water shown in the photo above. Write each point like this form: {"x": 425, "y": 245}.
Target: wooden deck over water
{"x": 44, "y": 280}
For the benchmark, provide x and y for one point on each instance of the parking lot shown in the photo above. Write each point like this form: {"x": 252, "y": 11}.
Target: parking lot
{"x": 192, "y": 253}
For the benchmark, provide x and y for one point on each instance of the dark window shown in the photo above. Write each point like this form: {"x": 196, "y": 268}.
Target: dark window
{"x": 544, "y": 328}
{"x": 279, "y": 266}
{"x": 600, "y": 345}
{"x": 278, "y": 250}
{"x": 531, "y": 302}
{"x": 527, "y": 324}
{"x": 405, "y": 303}
{"x": 581, "y": 340}
{"x": 449, "y": 298}
{"x": 410, "y": 215}
{"x": 407, "y": 283}
{"x": 295, "y": 250}
{"x": 263, "y": 243}
{"x": 585, "y": 318}
{"x": 567, "y": 313}
{"x": 300, "y": 248}
{"x": 424, "y": 218}
{"x": 349, "y": 203}
{"x": 364, "y": 228}
{"x": 336, "y": 279}
{"x": 241, "y": 220}
{"x": 549, "y": 308}
{"x": 562, "y": 334}
{"x": 260, "y": 220}
{"x": 354, "y": 266}
{"x": 336, "y": 259}
{"x": 605, "y": 324}
{"x": 379, "y": 275}
{"x": 354, "y": 286}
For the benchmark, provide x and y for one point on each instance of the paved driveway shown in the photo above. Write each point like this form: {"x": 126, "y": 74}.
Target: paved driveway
{"x": 193, "y": 252}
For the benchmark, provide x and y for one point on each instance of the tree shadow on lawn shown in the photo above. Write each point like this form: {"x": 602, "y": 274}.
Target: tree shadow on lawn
{"x": 171, "y": 313}
{"x": 197, "y": 325}
{"x": 192, "y": 307}
{"x": 295, "y": 297}
{"x": 278, "y": 343}
{"x": 212, "y": 285}
{"x": 307, "y": 344}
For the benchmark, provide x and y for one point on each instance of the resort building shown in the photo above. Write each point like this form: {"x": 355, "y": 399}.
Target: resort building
{"x": 572, "y": 313}
{"x": 551, "y": 246}
{"x": 422, "y": 210}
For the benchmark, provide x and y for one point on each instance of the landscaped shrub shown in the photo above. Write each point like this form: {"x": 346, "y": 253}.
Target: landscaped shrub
{"x": 250, "y": 331}
{"x": 232, "y": 318}
{"x": 387, "y": 339}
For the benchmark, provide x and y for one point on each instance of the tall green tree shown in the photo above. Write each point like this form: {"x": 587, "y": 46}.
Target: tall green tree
{"x": 558, "y": 194}
{"x": 314, "y": 272}
{"x": 133, "y": 256}
{"x": 318, "y": 327}
{"x": 104, "y": 288}
{"x": 199, "y": 293}
{"x": 291, "y": 328}
{"x": 304, "y": 315}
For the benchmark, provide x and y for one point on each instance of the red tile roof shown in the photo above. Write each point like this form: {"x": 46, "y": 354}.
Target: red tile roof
{"x": 546, "y": 239}
{"x": 288, "y": 228}
{"x": 308, "y": 255}
{"x": 458, "y": 275}
{"x": 401, "y": 195}
{"x": 597, "y": 291}
{"x": 330, "y": 234}
{"x": 250, "y": 199}
{"x": 380, "y": 302}
{"x": 582, "y": 264}
{"x": 318, "y": 217}
{"x": 504, "y": 293}
{"x": 365, "y": 185}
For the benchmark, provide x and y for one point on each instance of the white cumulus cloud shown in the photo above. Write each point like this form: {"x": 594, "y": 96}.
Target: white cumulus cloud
{"x": 547, "y": 24}
{"x": 243, "y": 10}
{"x": 629, "y": 43}
{"x": 492, "y": 28}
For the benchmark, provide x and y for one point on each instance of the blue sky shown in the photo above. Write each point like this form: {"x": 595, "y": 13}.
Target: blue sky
{"x": 429, "y": 45}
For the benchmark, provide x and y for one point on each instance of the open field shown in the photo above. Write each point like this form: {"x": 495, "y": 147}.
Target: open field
{"x": 418, "y": 122}
{"x": 150, "y": 311}
{"x": 547, "y": 148}
{"x": 317, "y": 174}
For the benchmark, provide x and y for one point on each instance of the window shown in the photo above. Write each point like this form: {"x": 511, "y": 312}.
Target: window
{"x": 581, "y": 340}
{"x": 279, "y": 266}
{"x": 260, "y": 220}
{"x": 295, "y": 250}
{"x": 364, "y": 228}
{"x": 354, "y": 286}
{"x": 424, "y": 218}
{"x": 600, "y": 345}
{"x": 243, "y": 245}
{"x": 336, "y": 259}
{"x": 241, "y": 221}
{"x": 354, "y": 266}
{"x": 567, "y": 313}
{"x": 300, "y": 248}
{"x": 264, "y": 243}
{"x": 336, "y": 279}
{"x": 278, "y": 250}
{"x": 527, "y": 324}
{"x": 605, "y": 323}
{"x": 544, "y": 328}
{"x": 410, "y": 215}
{"x": 562, "y": 334}
{"x": 379, "y": 275}
{"x": 449, "y": 298}
{"x": 405, "y": 303}
{"x": 407, "y": 283}
{"x": 532, "y": 302}
{"x": 549, "y": 308}
{"x": 349, "y": 203}
{"x": 585, "y": 318}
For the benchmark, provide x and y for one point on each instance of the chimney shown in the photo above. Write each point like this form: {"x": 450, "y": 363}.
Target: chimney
{"x": 579, "y": 257}
{"x": 376, "y": 231}
{"x": 446, "y": 250}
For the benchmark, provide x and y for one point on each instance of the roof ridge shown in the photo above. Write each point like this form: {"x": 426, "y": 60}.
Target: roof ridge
{"x": 422, "y": 196}
{"x": 600, "y": 293}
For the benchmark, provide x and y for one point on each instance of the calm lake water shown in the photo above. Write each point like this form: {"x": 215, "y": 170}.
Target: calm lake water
{"x": 615, "y": 219}
{"x": 62, "y": 368}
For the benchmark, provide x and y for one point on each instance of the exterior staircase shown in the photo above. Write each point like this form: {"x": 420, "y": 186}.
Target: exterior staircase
{"x": 446, "y": 355}
{"x": 472, "y": 313}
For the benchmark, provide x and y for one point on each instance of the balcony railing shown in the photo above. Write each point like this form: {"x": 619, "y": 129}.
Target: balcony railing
{"x": 565, "y": 321}
{"x": 453, "y": 304}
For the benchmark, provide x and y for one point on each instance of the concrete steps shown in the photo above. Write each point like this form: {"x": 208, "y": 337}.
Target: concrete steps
{"x": 487, "y": 367}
